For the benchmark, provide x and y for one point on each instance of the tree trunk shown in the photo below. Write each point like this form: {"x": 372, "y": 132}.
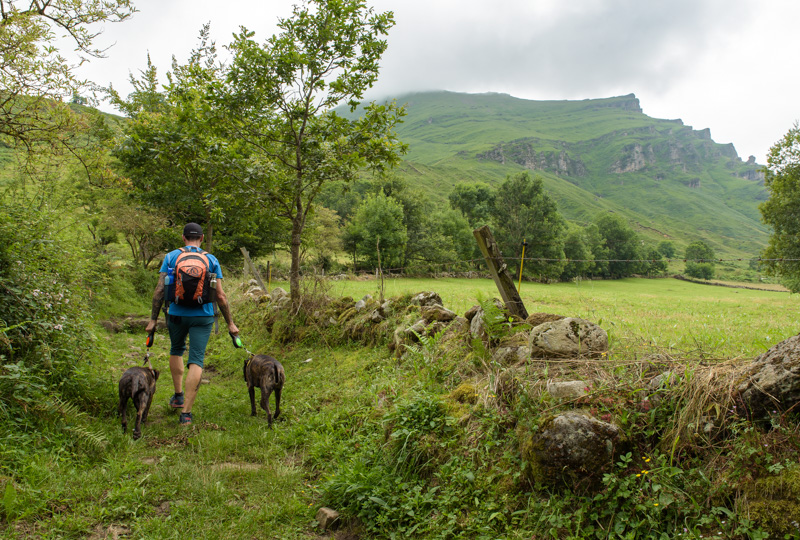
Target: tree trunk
{"x": 294, "y": 273}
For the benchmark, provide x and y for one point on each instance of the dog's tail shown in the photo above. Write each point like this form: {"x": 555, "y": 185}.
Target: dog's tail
{"x": 279, "y": 375}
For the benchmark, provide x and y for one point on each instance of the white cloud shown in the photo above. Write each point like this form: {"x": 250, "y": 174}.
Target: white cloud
{"x": 728, "y": 65}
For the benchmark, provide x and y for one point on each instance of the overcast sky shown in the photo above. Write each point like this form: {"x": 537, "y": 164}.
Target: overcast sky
{"x": 727, "y": 65}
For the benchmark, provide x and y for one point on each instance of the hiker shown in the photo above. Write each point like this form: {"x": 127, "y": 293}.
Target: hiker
{"x": 190, "y": 281}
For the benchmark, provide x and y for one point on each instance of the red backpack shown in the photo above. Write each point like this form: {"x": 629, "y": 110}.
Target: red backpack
{"x": 192, "y": 279}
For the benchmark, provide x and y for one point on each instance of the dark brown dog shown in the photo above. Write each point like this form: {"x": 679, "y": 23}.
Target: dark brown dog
{"x": 139, "y": 385}
{"x": 264, "y": 372}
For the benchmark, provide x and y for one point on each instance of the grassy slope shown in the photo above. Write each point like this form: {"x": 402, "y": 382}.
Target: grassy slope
{"x": 447, "y": 133}
{"x": 230, "y": 476}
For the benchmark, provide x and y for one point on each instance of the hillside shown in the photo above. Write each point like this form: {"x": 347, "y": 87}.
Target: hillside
{"x": 671, "y": 181}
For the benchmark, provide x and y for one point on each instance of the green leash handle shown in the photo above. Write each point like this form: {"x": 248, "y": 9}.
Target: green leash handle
{"x": 237, "y": 341}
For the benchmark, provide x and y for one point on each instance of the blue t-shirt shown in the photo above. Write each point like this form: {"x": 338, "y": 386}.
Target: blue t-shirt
{"x": 206, "y": 310}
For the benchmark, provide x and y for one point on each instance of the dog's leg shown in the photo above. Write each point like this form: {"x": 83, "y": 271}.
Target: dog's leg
{"x": 252, "y": 391}
{"x": 140, "y": 400}
{"x": 265, "y": 392}
{"x": 277, "y": 401}
{"x": 122, "y": 411}
{"x": 147, "y": 408}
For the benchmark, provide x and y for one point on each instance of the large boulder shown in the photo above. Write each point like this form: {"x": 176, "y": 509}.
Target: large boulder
{"x": 428, "y": 298}
{"x": 437, "y": 312}
{"x": 572, "y": 448}
{"x": 772, "y": 382}
{"x": 568, "y": 338}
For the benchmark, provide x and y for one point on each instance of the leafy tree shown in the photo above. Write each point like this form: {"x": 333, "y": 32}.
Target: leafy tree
{"x": 35, "y": 80}
{"x": 523, "y": 211}
{"x": 324, "y": 238}
{"x": 179, "y": 165}
{"x": 656, "y": 265}
{"x": 378, "y": 224}
{"x": 578, "y": 253}
{"x": 623, "y": 246}
{"x": 781, "y": 209}
{"x": 600, "y": 252}
{"x": 474, "y": 200}
{"x": 667, "y": 249}
{"x": 699, "y": 260}
{"x": 280, "y": 99}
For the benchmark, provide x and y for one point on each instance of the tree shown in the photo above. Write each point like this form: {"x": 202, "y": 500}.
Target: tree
{"x": 667, "y": 249}
{"x": 35, "y": 80}
{"x": 781, "y": 209}
{"x": 474, "y": 200}
{"x": 656, "y": 265}
{"x": 623, "y": 245}
{"x": 378, "y": 224}
{"x": 280, "y": 97}
{"x": 577, "y": 252}
{"x": 522, "y": 211}
{"x": 177, "y": 162}
{"x": 699, "y": 260}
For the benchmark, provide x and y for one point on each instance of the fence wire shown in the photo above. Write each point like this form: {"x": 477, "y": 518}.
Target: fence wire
{"x": 508, "y": 260}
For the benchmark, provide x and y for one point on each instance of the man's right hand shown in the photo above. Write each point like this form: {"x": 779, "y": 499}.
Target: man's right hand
{"x": 151, "y": 327}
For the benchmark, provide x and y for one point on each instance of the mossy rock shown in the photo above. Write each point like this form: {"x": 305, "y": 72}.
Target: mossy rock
{"x": 773, "y": 503}
{"x": 571, "y": 449}
{"x": 465, "y": 393}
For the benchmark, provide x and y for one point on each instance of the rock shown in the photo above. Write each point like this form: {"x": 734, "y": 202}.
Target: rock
{"x": 511, "y": 355}
{"x": 471, "y": 312}
{"x": 772, "y": 382}
{"x": 252, "y": 283}
{"x": 361, "y": 304}
{"x": 568, "y": 390}
{"x": 662, "y": 380}
{"x": 278, "y": 293}
{"x": 327, "y": 518}
{"x": 535, "y": 319}
{"x": 254, "y": 291}
{"x": 571, "y": 447}
{"x": 569, "y": 337}
{"x": 437, "y": 313}
{"x": 428, "y": 298}
{"x": 459, "y": 325}
{"x": 416, "y": 329}
{"x": 476, "y": 327}
{"x": 376, "y": 316}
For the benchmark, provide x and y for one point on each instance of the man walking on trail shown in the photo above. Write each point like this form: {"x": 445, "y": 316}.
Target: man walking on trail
{"x": 190, "y": 312}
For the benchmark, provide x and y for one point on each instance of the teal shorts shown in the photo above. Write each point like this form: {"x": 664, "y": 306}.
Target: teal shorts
{"x": 198, "y": 329}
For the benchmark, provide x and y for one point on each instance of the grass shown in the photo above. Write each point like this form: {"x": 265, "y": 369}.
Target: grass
{"x": 343, "y": 409}
{"x": 681, "y": 318}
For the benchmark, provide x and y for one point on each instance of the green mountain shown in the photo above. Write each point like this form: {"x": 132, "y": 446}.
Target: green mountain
{"x": 597, "y": 155}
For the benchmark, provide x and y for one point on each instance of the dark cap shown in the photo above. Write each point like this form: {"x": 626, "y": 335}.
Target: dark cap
{"x": 192, "y": 230}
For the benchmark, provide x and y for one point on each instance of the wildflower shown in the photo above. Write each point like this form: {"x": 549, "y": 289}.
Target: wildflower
{"x": 645, "y": 472}
{"x": 655, "y": 504}
{"x": 638, "y": 475}
{"x": 647, "y": 460}
{"x": 59, "y": 327}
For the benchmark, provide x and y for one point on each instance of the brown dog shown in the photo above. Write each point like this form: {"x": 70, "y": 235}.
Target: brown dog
{"x": 139, "y": 385}
{"x": 266, "y": 373}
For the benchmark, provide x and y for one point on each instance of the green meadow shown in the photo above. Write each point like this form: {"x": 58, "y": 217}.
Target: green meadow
{"x": 673, "y": 316}
{"x": 231, "y": 476}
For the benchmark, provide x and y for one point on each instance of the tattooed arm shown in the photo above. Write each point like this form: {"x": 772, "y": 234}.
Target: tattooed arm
{"x": 158, "y": 301}
{"x": 225, "y": 308}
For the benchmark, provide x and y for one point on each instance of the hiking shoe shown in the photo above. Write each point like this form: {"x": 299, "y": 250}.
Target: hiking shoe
{"x": 185, "y": 419}
{"x": 176, "y": 401}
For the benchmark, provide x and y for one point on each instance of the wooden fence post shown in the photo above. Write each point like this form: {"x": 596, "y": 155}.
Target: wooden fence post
{"x": 253, "y": 269}
{"x": 499, "y": 271}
